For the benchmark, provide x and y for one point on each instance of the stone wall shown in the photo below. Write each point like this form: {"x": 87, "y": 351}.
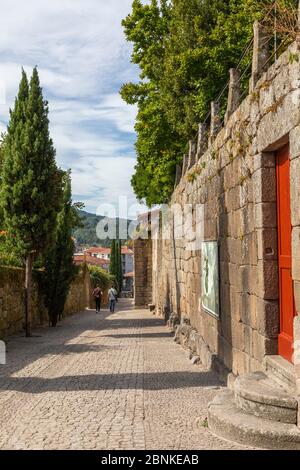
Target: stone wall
{"x": 234, "y": 182}
{"x": 143, "y": 272}
{"x": 12, "y": 300}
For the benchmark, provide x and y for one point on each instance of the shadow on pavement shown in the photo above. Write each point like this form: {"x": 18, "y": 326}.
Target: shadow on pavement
{"x": 127, "y": 381}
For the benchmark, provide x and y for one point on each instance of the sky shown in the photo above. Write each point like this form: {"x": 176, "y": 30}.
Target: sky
{"x": 83, "y": 59}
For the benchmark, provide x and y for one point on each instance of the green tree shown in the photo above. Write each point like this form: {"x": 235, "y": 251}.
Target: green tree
{"x": 184, "y": 49}
{"x": 31, "y": 182}
{"x": 101, "y": 277}
{"x": 119, "y": 273}
{"x": 59, "y": 265}
{"x": 115, "y": 267}
{"x": 112, "y": 264}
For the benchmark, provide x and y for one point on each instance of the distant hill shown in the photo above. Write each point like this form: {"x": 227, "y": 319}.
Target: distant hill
{"x": 87, "y": 235}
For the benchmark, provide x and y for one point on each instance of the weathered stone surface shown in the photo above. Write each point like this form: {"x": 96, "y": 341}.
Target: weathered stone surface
{"x": 278, "y": 122}
{"x": 12, "y": 300}
{"x": 267, "y": 317}
{"x": 296, "y": 253}
{"x": 295, "y": 191}
{"x": 297, "y": 296}
{"x": 264, "y": 160}
{"x": 262, "y": 346}
{"x": 267, "y": 244}
{"x": 260, "y": 53}
{"x": 281, "y": 371}
{"x": 267, "y": 287}
{"x": 295, "y": 142}
{"x": 264, "y": 185}
{"x": 258, "y": 395}
{"x": 266, "y": 215}
{"x": 227, "y": 421}
{"x": 234, "y": 93}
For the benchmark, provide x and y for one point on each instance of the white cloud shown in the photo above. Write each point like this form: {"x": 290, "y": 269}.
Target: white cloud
{"x": 82, "y": 55}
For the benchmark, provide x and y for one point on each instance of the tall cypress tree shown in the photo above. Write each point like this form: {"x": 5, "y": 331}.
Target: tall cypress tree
{"x": 119, "y": 264}
{"x": 116, "y": 262}
{"x": 112, "y": 264}
{"x": 31, "y": 182}
{"x": 59, "y": 265}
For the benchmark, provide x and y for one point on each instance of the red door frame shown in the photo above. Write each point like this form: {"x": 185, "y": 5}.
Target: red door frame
{"x": 286, "y": 291}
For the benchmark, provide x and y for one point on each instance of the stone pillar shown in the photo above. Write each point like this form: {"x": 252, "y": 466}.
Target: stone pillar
{"x": 295, "y": 215}
{"x": 234, "y": 94}
{"x": 192, "y": 154}
{"x": 215, "y": 123}
{"x": 266, "y": 271}
{"x": 185, "y": 164}
{"x": 178, "y": 175}
{"x": 260, "y": 54}
{"x": 202, "y": 140}
{"x": 142, "y": 272}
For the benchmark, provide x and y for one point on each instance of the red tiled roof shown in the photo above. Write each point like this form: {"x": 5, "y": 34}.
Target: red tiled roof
{"x": 98, "y": 249}
{"x": 129, "y": 275}
{"x": 80, "y": 259}
{"x": 107, "y": 251}
{"x": 126, "y": 251}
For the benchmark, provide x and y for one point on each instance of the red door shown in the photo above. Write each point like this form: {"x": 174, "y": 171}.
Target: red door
{"x": 286, "y": 294}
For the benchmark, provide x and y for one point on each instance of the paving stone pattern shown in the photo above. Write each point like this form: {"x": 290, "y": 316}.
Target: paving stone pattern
{"x": 108, "y": 381}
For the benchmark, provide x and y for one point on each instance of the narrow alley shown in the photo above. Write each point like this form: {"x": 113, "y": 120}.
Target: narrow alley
{"x": 106, "y": 381}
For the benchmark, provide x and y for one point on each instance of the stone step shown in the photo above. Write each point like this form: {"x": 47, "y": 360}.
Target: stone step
{"x": 260, "y": 396}
{"x": 281, "y": 371}
{"x": 227, "y": 421}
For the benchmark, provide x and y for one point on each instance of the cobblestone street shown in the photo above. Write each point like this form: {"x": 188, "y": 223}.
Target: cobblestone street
{"x": 108, "y": 381}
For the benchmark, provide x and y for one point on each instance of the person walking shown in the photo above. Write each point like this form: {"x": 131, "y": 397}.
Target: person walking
{"x": 112, "y": 297}
{"x": 97, "y": 293}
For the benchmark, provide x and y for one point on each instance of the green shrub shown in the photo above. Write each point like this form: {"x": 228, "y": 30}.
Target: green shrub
{"x": 99, "y": 276}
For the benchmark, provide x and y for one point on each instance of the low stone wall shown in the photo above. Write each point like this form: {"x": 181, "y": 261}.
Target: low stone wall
{"x": 12, "y": 300}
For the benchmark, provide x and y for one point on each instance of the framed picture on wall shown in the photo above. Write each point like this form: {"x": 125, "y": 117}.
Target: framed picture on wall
{"x": 210, "y": 277}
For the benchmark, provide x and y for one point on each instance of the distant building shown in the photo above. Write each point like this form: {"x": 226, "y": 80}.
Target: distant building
{"x": 103, "y": 254}
{"x": 128, "y": 282}
{"x": 80, "y": 258}
{"x": 98, "y": 252}
{"x": 127, "y": 260}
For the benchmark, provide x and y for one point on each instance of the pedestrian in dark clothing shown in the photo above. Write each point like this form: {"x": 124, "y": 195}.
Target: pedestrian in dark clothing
{"x": 97, "y": 293}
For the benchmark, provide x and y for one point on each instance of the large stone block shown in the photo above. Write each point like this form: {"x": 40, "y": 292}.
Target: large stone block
{"x": 249, "y": 249}
{"x": 266, "y": 215}
{"x": 264, "y": 185}
{"x": 277, "y": 123}
{"x": 235, "y": 223}
{"x": 297, "y": 296}
{"x": 267, "y": 287}
{"x": 295, "y": 191}
{"x": 234, "y": 250}
{"x": 267, "y": 244}
{"x": 248, "y": 219}
{"x": 247, "y": 279}
{"x": 296, "y": 253}
{"x": 295, "y": 142}
{"x": 267, "y": 318}
{"x": 264, "y": 160}
{"x": 266, "y": 99}
{"x": 232, "y": 199}
{"x": 238, "y": 335}
{"x": 262, "y": 346}
{"x": 240, "y": 362}
{"x": 248, "y": 311}
{"x": 297, "y": 354}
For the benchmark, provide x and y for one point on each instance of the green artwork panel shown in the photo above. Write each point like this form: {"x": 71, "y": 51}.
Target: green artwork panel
{"x": 210, "y": 277}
